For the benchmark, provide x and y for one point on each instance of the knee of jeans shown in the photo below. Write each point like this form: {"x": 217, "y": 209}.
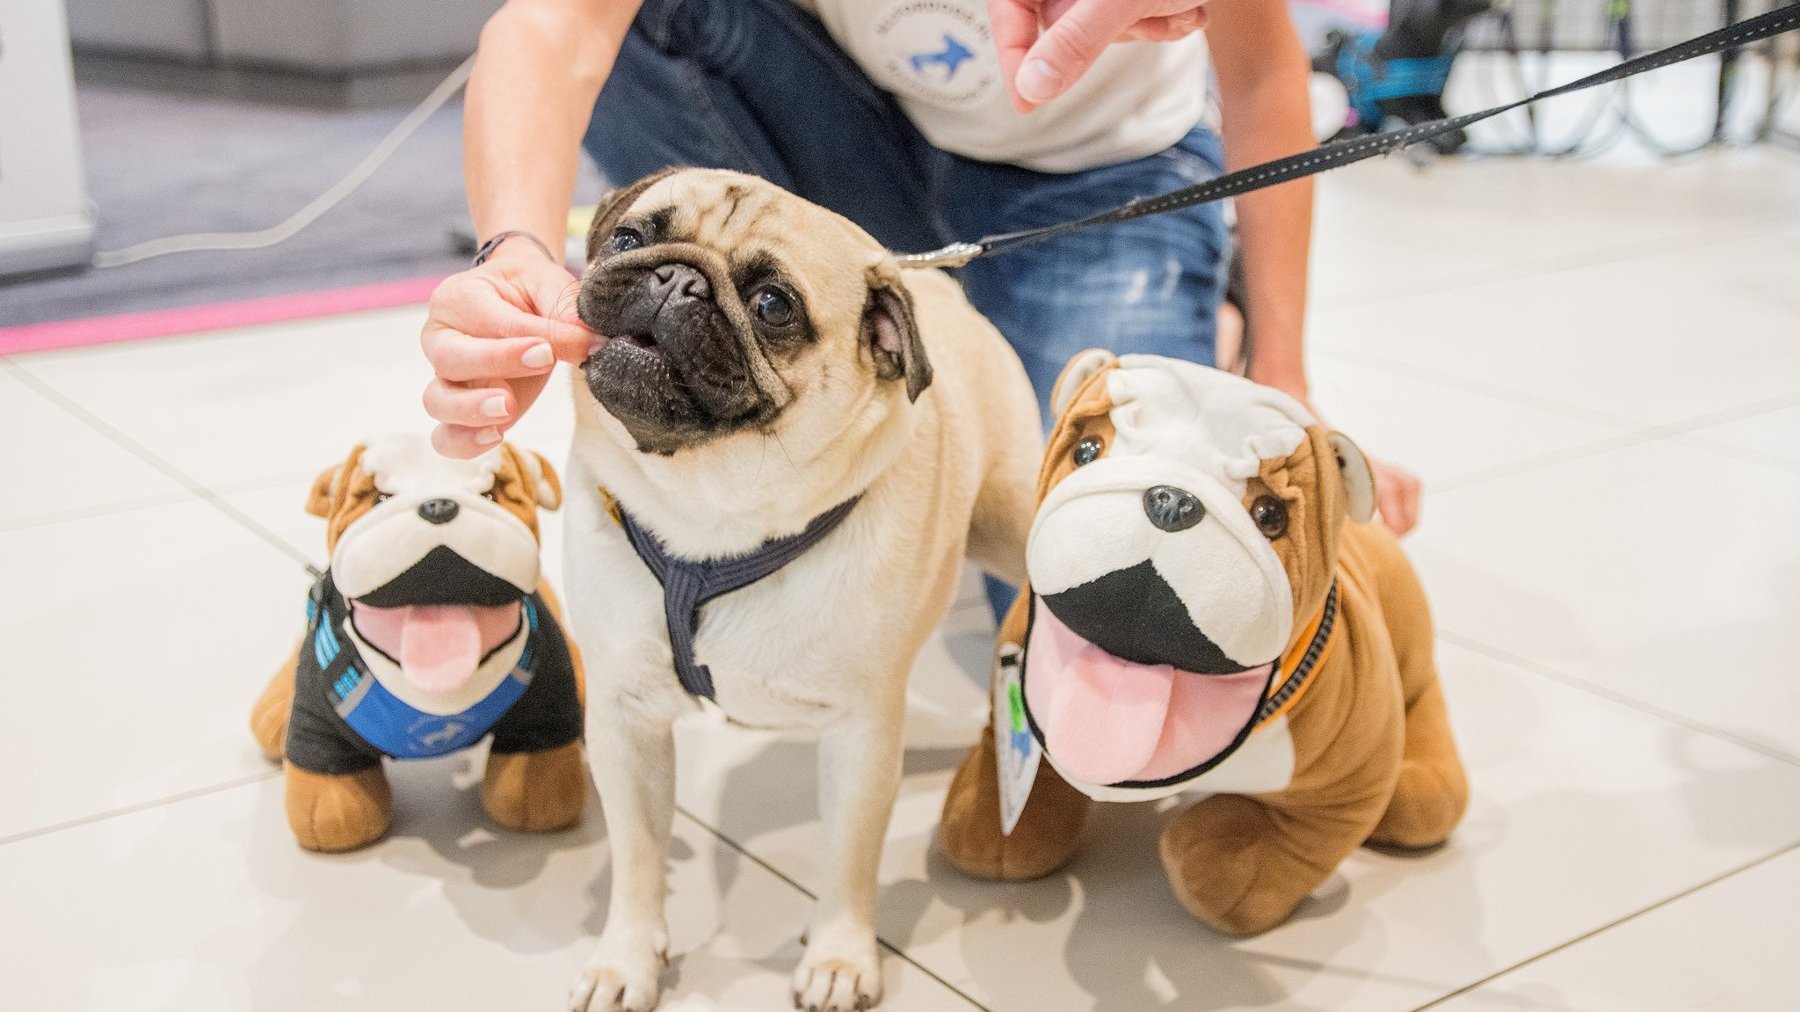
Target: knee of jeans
{"x": 1052, "y": 309}
{"x": 709, "y": 32}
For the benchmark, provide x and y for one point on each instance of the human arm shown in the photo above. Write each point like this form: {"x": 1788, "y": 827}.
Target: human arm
{"x": 496, "y": 331}
{"x": 1262, "y": 71}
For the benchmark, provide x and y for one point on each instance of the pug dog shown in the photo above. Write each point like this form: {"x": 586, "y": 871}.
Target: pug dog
{"x": 785, "y": 445}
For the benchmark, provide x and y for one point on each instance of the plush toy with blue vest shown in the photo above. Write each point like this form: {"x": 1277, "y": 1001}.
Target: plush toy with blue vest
{"x": 429, "y": 632}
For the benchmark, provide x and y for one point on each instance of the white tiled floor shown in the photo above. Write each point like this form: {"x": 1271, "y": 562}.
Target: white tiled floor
{"x": 1594, "y": 366}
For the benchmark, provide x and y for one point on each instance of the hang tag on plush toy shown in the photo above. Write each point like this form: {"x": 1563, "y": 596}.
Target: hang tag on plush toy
{"x": 1016, "y": 747}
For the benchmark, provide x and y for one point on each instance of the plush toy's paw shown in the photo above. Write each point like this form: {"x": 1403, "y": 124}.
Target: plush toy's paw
{"x": 1222, "y": 863}
{"x": 536, "y": 792}
{"x": 840, "y": 972}
{"x": 623, "y": 975}
{"x": 269, "y": 718}
{"x": 1045, "y": 839}
{"x": 1428, "y": 802}
{"x": 334, "y": 813}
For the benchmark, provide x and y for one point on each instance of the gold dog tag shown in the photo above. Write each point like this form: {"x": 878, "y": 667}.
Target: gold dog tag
{"x": 1015, "y": 747}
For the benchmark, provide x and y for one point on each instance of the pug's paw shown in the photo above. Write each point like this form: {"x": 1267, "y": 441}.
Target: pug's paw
{"x": 838, "y": 974}
{"x": 622, "y": 976}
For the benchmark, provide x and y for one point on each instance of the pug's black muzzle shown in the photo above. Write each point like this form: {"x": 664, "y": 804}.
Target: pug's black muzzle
{"x": 675, "y": 366}
{"x": 1134, "y": 614}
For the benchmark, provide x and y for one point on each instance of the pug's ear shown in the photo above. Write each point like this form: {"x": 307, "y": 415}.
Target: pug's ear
{"x": 891, "y": 333}
{"x": 1359, "y": 478}
{"x": 613, "y": 205}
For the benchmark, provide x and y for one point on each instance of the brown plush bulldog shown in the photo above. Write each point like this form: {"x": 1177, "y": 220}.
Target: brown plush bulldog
{"x": 1202, "y": 618}
{"x": 429, "y": 631}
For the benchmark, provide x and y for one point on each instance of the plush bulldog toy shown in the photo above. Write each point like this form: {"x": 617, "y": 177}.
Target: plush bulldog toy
{"x": 429, "y": 631}
{"x": 1209, "y": 612}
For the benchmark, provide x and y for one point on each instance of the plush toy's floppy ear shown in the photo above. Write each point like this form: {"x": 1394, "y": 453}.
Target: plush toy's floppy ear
{"x": 613, "y": 205}
{"x": 324, "y": 491}
{"x": 547, "y": 484}
{"x": 1084, "y": 365}
{"x": 891, "y": 333}
{"x": 1359, "y": 478}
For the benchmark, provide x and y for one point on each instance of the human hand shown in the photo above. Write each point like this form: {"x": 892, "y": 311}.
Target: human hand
{"x": 1397, "y": 490}
{"x": 1046, "y": 45}
{"x": 493, "y": 337}
{"x": 1396, "y": 496}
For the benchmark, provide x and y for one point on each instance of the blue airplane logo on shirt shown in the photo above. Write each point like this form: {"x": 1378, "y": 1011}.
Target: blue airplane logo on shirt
{"x": 952, "y": 57}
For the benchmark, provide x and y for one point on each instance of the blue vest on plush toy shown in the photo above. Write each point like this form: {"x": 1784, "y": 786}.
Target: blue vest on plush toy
{"x": 389, "y": 724}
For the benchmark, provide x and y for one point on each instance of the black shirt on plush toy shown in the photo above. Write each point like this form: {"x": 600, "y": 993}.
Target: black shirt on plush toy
{"x": 430, "y": 631}
{"x": 344, "y": 719}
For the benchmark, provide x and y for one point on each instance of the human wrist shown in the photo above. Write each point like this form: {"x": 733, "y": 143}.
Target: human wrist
{"x": 514, "y": 245}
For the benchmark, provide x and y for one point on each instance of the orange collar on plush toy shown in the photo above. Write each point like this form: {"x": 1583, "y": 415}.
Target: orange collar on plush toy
{"x": 1182, "y": 723}
{"x": 1181, "y": 565}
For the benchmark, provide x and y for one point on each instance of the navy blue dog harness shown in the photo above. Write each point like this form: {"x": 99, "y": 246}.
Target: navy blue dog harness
{"x": 688, "y": 585}
{"x": 345, "y": 719}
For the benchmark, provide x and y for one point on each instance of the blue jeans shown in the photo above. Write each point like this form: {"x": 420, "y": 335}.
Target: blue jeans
{"x": 760, "y": 87}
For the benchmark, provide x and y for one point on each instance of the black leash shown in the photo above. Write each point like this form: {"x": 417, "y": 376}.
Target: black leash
{"x": 1340, "y": 153}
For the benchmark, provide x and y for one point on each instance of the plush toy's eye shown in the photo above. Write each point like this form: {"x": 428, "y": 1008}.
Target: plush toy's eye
{"x": 772, "y": 306}
{"x": 1271, "y": 516}
{"x": 625, "y": 240}
{"x": 1087, "y": 451}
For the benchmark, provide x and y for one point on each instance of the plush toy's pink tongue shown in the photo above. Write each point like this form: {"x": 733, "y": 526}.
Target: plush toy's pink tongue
{"x": 1106, "y": 720}
{"x": 439, "y": 646}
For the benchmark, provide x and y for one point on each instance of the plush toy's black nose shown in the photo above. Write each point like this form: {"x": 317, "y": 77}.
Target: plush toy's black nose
{"x": 1172, "y": 509}
{"x": 438, "y": 511}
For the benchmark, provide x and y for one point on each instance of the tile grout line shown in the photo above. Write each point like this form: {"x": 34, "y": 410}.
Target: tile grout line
{"x": 1527, "y": 268}
{"x": 809, "y": 894}
{"x": 115, "y": 508}
{"x": 1659, "y": 432}
{"x": 1580, "y": 451}
{"x": 1599, "y": 691}
{"x": 180, "y": 477}
{"x": 141, "y": 503}
{"x": 143, "y": 806}
{"x": 1608, "y": 926}
{"x": 1505, "y": 394}
{"x": 1636, "y": 431}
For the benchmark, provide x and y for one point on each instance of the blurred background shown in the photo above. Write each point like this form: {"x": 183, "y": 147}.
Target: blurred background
{"x": 318, "y": 140}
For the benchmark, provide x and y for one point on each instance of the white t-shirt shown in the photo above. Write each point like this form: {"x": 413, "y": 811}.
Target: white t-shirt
{"x": 937, "y": 57}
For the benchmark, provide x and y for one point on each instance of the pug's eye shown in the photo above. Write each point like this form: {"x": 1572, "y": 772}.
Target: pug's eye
{"x": 1087, "y": 451}
{"x": 1271, "y": 516}
{"x": 772, "y": 306}
{"x": 624, "y": 240}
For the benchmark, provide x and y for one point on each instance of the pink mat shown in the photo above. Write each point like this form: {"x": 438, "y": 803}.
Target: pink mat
{"x": 217, "y": 316}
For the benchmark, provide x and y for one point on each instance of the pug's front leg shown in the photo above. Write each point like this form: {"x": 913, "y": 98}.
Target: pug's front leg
{"x": 633, "y": 755}
{"x": 859, "y": 774}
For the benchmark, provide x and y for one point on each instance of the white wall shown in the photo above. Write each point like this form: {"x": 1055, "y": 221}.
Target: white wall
{"x": 45, "y": 221}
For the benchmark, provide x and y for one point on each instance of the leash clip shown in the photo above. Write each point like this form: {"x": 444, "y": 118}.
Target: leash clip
{"x": 954, "y": 255}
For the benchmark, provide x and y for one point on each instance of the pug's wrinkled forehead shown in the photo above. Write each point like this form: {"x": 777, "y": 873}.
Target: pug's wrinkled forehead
{"x": 1214, "y": 421}
{"x": 754, "y": 224}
